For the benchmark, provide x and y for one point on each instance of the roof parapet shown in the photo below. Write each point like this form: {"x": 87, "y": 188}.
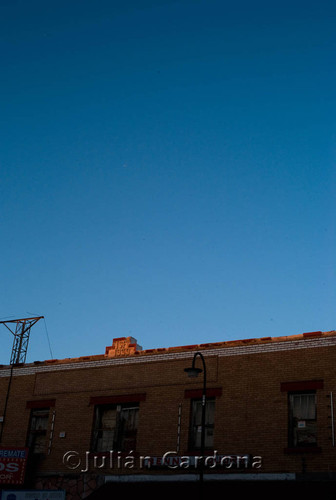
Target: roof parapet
{"x": 128, "y": 347}
{"x": 122, "y": 346}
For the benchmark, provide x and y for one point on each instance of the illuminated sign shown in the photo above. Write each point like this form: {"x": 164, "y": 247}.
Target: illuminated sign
{"x": 13, "y": 463}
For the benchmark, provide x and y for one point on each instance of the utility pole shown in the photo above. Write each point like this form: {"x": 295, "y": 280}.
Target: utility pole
{"x": 20, "y": 328}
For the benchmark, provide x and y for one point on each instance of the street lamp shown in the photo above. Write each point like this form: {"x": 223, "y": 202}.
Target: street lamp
{"x": 193, "y": 372}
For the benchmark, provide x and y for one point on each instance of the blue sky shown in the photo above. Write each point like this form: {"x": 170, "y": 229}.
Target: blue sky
{"x": 167, "y": 171}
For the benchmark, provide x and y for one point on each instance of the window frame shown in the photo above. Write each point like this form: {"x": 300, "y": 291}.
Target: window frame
{"x": 34, "y": 434}
{"x": 293, "y": 427}
{"x": 299, "y": 387}
{"x": 193, "y": 426}
{"x": 117, "y": 432}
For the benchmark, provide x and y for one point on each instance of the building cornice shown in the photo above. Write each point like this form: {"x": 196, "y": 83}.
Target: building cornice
{"x": 219, "y": 349}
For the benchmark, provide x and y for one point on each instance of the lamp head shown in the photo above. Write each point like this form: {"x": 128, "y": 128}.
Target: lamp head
{"x": 193, "y": 372}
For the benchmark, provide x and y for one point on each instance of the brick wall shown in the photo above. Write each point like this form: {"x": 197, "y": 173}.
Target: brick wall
{"x": 251, "y": 414}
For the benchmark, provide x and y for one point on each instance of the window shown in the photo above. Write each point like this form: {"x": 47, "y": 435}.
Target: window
{"x": 37, "y": 436}
{"x": 196, "y": 423}
{"x": 302, "y": 419}
{"x": 115, "y": 427}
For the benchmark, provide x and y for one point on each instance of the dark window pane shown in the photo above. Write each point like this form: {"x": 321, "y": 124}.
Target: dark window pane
{"x": 37, "y": 436}
{"x": 302, "y": 420}
{"x": 196, "y": 424}
{"x": 115, "y": 427}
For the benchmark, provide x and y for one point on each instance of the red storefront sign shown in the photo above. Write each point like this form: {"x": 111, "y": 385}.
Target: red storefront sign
{"x": 13, "y": 463}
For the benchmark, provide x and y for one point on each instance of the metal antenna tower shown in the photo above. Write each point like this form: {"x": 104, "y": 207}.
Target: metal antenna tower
{"x": 21, "y": 332}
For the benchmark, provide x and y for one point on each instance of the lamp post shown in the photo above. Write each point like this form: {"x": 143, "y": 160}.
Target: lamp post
{"x": 193, "y": 372}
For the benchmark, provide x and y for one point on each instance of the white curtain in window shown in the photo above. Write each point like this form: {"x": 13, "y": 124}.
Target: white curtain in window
{"x": 108, "y": 419}
{"x": 303, "y": 406}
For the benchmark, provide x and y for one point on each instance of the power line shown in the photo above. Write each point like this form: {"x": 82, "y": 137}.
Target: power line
{"x": 46, "y": 330}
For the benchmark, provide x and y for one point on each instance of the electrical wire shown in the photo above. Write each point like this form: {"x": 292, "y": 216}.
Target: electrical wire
{"x": 46, "y": 330}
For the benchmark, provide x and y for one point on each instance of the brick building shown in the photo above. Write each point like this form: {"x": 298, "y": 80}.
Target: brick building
{"x": 95, "y": 422}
